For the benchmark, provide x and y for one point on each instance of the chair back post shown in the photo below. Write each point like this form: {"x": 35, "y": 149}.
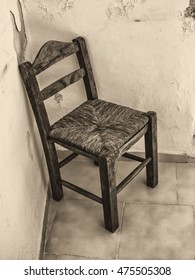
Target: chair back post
{"x": 40, "y": 113}
{"x": 84, "y": 62}
{"x": 33, "y": 91}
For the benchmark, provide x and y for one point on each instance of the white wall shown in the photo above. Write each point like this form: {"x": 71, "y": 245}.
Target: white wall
{"x": 23, "y": 185}
{"x": 142, "y": 52}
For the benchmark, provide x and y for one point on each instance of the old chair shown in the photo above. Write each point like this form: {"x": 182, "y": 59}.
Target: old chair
{"x": 97, "y": 129}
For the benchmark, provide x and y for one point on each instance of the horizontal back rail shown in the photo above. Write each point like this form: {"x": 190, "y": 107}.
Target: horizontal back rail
{"x": 62, "y": 83}
{"x": 52, "y": 52}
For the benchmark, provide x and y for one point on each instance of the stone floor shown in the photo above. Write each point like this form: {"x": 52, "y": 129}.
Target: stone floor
{"x": 154, "y": 223}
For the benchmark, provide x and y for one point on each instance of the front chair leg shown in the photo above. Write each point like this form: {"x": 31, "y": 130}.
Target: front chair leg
{"x": 109, "y": 195}
{"x": 151, "y": 150}
{"x": 53, "y": 170}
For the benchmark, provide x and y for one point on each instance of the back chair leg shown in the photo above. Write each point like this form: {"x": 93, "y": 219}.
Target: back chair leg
{"x": 109, "y": 195}
{"x": 151, "y": 150}
{"x": 96, "y": 162}
{"x": 54, "y": 171}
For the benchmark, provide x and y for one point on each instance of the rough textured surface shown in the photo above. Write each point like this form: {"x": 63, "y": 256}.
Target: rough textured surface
{"x": 190, "y": 11}
{"x": 122, "y": 8}
{"x": 102, "y": 129}
{"x": 141, "y": 55}
{"x": 23, "y": 184}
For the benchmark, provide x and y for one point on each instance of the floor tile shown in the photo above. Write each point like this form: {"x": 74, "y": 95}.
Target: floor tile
{"x": 78, "y": 229}
{"x": 186, "y": 183}
{"x": 137, "y": 191}
{"x": 53, "y": 206}
{"x": 71, "y": 257}
{"x": 84, "y": 174}
{"x": 49, "y": 257}
{"x": 157, "y": 232}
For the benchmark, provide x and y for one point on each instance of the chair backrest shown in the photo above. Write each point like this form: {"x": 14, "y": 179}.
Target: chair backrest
{"x": 50, "y": 53}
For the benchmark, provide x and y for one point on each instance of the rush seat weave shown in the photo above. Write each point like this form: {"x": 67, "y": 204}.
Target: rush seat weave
{"x": 99, "y": 127}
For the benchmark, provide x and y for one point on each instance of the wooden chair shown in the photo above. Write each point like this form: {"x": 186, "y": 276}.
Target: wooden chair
{"x": 97, "y": 129}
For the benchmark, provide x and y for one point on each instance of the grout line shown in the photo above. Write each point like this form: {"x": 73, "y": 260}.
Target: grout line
{"x": 193, "y": 210}
{"x": 50, "y": 254}
{"x": 131, "y": 202}
{"x": 162, "y": 204}
{"x": 76, "y": 256}
{"x": 177, "y": 187}
{"x": 120, "y": 231}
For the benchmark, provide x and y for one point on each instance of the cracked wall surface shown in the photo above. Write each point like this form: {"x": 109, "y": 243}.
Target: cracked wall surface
{"x": 190, "y": 11}
{"x": 142, "y": 44}
{"x": 49, "y": 10}
{"x": 23, "y": 185}
{"x": 188, "y": 18}
{"x": 122, "y": 8}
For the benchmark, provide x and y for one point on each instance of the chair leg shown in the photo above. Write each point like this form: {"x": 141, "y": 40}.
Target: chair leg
{"x": 109, "y": 195}
{"x": 54, "y": 171}
{"x": 96, "y": 163}
{"x": 151, "y": 150}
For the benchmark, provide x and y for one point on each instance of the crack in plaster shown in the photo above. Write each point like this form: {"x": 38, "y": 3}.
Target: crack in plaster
{"x": 122, "y": 8}
{"x": 28, "y": 140}
{"x": 20, "y": 38}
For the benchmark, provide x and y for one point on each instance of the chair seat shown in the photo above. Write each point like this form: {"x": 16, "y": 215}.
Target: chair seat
{"x": 98, "y": 127}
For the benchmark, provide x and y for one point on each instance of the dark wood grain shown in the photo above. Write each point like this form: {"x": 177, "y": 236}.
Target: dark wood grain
{"x": 81, "y": 191}
{"x": 134, "y": 157}
{"x": 151, "y": 150}
{"x": 43, "y": 125}
{"x": 109, "y": 194}
{"x": 52, "y": 52}
{"x": 67, "y": 159}
{"x": 84, "y": 62}
{"x": 62, "y": 83}
{"x": 132, "y": 175}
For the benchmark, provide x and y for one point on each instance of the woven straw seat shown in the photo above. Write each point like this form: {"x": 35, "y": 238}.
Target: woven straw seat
{"x": 99, "y": 130}
{"x": 99, "y": 127}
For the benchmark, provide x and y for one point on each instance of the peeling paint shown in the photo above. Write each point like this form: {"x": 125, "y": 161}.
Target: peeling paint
{"x": 65, "y": 5}
{"x": 188, "y": 24}
{"x": 20, "y": 38}
{"x": 28, "y": 140}
{"x": 122, "y": 8}
{"x": 188, "y": 18}
{"x": 50, "y": 10}
{"x": 190, "y": 11}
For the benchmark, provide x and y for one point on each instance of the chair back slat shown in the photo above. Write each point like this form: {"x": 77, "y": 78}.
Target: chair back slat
{"x": 62, "y": 83}
{"x": 52, "y": 52}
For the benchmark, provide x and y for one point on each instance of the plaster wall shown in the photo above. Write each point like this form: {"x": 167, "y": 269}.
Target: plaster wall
{"x": 142, "y": 52}
{"x": 23, "y": 185}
